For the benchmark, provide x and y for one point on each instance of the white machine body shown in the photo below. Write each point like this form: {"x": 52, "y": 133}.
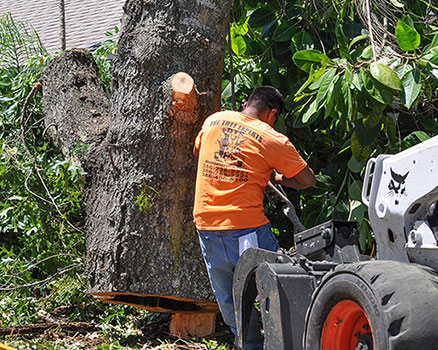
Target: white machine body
{"x": 399, "y": 190}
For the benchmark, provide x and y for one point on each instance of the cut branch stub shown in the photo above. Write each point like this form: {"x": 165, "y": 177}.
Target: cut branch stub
{"x": 184, "y": 99}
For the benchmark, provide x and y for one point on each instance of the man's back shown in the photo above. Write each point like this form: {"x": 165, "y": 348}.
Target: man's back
{"x": 237, "y": 156}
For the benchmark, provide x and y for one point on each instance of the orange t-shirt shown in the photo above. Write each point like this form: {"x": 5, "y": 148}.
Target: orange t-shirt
{"x": 237, "y": 155}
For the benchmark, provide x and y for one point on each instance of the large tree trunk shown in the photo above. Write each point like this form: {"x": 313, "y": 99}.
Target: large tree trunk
{"x": 142, "y": 248}
{"x": 141, "y": 243}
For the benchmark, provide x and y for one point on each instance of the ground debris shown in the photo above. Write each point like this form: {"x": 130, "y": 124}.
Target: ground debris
{"x": 39, "y": 328}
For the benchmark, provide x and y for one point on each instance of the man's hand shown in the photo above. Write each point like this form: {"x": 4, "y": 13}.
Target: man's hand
{"x": 304, "y": 179}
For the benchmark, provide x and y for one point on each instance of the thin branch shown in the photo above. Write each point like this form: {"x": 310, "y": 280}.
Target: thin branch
{"x": 48, "y": 127}
{"x": 33, "y": 193}
{"x": 44, "y": 281}
{"x": 45, "y": 259}
{"x": 230, "y": 52}
{"x": 370, "y": 29}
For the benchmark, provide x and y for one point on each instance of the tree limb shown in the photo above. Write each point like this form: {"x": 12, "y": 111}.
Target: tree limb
{"x": 46, "y": 280}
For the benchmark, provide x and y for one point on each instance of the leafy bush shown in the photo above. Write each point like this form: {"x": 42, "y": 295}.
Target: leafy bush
{"x": 351, "y": 93}
{"x": 40, "y": 192}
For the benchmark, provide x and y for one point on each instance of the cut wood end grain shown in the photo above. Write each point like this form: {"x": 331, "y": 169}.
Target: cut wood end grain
{"x": 184, "y": 99}
{"x": 193, "y": 325}
{"x": 182, "y": 83}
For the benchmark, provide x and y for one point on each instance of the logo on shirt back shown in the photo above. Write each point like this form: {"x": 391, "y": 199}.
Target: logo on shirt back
{"x": 229, "y": 147}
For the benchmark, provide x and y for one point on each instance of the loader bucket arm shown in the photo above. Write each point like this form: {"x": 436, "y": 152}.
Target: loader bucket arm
{"x": 244, "y": 286}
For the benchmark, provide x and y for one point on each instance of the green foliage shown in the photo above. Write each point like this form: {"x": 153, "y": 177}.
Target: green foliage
{"x": 40, "y": 192}
{"x": 146, "y": 198}
{"x": 19, "y": 42}
{"x": 350, "y": 103}
{"x": 104, "y": 56}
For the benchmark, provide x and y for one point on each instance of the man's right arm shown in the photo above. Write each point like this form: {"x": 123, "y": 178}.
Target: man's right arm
{"x": 195, "y": 151}
{"x": 304, "y": 179}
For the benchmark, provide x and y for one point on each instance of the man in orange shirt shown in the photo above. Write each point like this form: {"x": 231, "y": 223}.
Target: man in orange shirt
{"x": 238, "y": 154}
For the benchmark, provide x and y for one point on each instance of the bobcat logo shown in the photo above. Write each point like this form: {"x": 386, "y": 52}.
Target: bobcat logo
{"x": 397, "y": 185}
{"x": 229, "y": 150}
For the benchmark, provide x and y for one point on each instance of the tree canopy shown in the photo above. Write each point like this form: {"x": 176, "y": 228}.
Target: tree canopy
{"x": 359, "y": 77}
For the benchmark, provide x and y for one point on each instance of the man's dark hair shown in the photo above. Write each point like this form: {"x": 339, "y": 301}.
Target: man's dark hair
{"x": 263, "y": 97}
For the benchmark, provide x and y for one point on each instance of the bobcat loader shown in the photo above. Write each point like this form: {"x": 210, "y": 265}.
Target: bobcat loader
{"x": 327, "y": 296}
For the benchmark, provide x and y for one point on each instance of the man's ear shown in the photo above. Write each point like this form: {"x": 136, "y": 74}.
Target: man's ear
{"x": 272, "y": 116}
{"x": 245, "y": 104}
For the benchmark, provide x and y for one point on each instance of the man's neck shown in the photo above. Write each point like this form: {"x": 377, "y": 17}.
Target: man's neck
{"x": 251, "y": 112}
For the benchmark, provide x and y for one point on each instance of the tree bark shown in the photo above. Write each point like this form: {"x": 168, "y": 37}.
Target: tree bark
{"x": 75, "y": 104}
{"x": 141, "y": 243}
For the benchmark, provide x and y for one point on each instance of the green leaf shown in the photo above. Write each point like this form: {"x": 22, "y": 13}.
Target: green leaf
{"x": 357, "y": 39}
{"x": 408, "y": 20}
{"x": 238, "y": 45}
{"x": 357, "y": 211}
{"x": 411, "y": 87}
{"x": 429, "y": 122}
{"x": 421, "y": 135}
{"x": 356, "y": 81}
{"x": 342, "y": 41}
{"x": 326, "y": 80}
{"x": 261, "y": 17}
{"x": 314, "y": 76}
{"x": 355, "y": 188}
{"x": 347, "y": 99}
{"x": 375, "y": 89}
{"x": 397, "y": 4}
{"x": 390, "y": 129}
{"x": 407, "y": 37}
{"x": 348, "y": 75}
{"x": 301, "y": 41}
{"x": 385, "y": 76}
{"x": 239, "y": 28}
{"x": 434, "y": 42}
{"x": 367, "y": 53}
{"x": 355, "y": 166}
{"x": 366, "y": 136}
{"x": 310, "y": 112}
{"x": 360, "y": 152}
{"x": 332, "y": 95}
{"x": 305, "y": 58}
{"x": 284, "y": 32}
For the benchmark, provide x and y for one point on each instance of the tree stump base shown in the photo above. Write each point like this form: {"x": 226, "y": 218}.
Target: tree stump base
{"x": 193, "y": 324}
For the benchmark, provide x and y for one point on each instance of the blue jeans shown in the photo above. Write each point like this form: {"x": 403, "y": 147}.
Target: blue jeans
{"x": 221, "y": 252}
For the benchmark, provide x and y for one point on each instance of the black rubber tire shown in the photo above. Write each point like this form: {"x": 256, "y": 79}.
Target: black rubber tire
{"x": 400, "y": 301}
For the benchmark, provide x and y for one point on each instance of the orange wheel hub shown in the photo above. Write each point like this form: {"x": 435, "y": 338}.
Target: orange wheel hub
{"x": 345, "y": 325}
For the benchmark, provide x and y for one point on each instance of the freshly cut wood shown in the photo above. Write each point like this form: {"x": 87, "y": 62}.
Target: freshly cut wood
{"x": 193, "y": 324}
{"x": 158, "y": 303}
